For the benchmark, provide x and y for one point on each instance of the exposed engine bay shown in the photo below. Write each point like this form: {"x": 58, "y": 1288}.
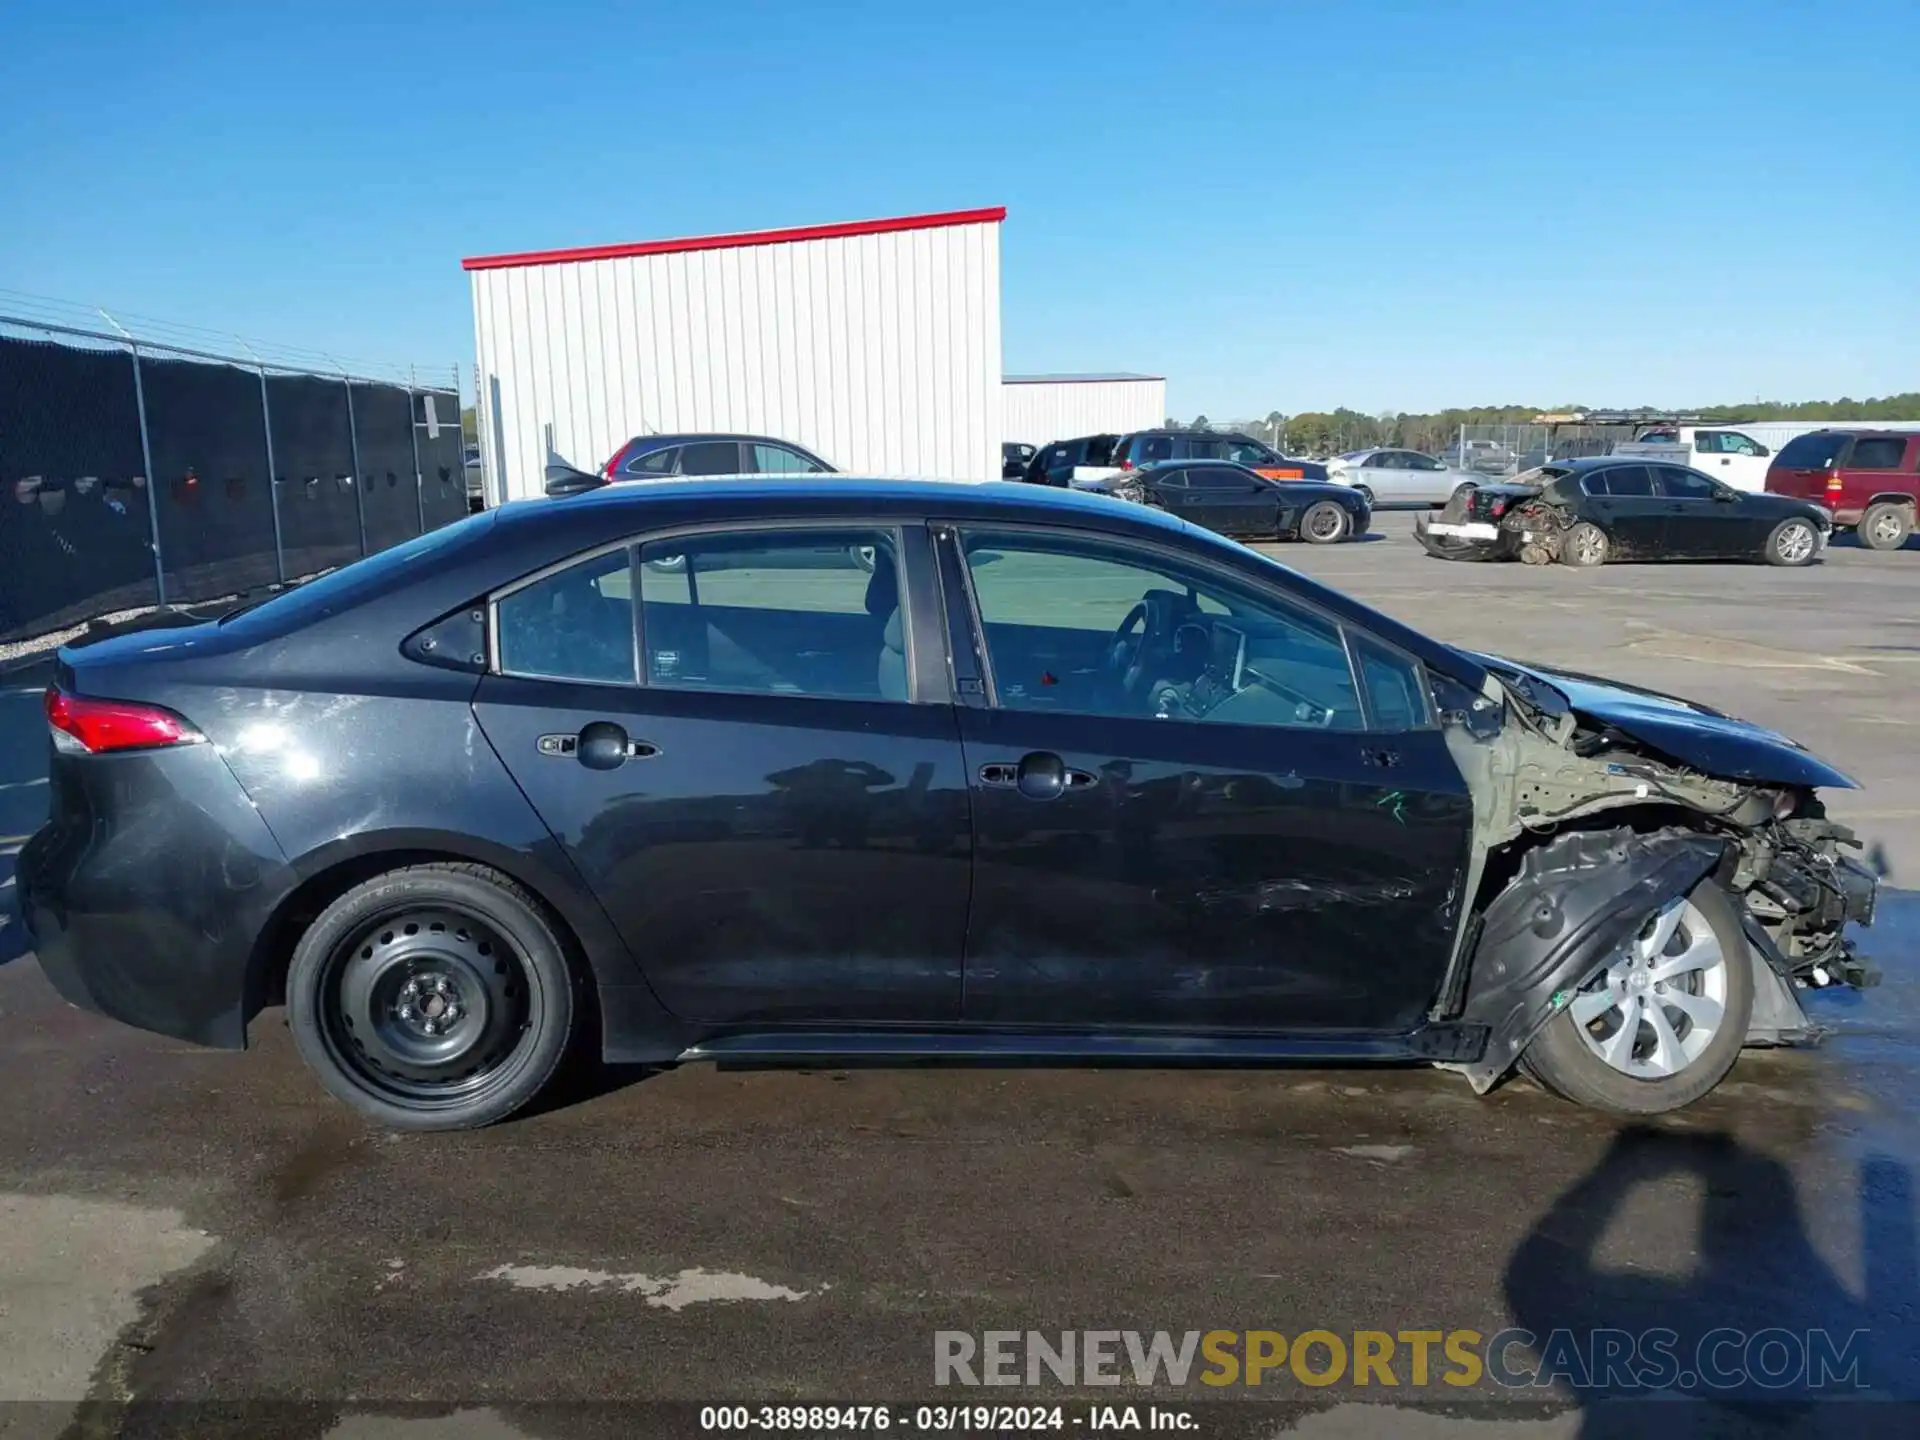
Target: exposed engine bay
{"x": 1580, "y": 826}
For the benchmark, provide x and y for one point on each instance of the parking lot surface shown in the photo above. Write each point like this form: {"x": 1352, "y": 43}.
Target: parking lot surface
{"x": 186, "y": 1226}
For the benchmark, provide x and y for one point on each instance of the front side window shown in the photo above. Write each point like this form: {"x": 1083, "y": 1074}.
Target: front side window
{"x": 777, "y": 612}
{"x": 1084, "y": 626}
{"x": 1678, "y": 484}
{"x": 1734, "y": 443}
{"x": 1249, "y": 452}
{"x": 575, "y": 624}
{"x": 1878, "y": 452}
{"x": 1216, "y": 477}
{"x": 779, "y": 460}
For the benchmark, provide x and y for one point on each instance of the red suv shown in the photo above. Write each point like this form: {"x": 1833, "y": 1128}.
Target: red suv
{"x": 1869, "y": 479}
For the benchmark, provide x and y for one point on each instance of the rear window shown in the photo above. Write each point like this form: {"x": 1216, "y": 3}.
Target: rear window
{"x": 1811, "y": 452}
{"x": 1878, "y": 452}
{"x": 1100, "y": 450}
{"x": 336, "y": 590}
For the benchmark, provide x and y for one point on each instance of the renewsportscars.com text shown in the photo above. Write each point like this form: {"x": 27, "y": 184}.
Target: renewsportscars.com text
{"x": 1659, "y": 1359}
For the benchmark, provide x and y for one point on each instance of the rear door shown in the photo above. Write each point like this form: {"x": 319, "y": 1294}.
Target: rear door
{"x": 1197, "y": 802}
{"x": 768, "y": 804}
{"x": 713, "y": 457}
{"x": 1625, "y": 505}
{"x": 1872, "y": 465}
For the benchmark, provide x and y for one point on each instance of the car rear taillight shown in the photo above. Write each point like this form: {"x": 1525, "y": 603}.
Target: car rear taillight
{"x": 1126, "y": 464}
{"x": 613, "y": 463}
{"x": 1833, "y": 484}
{"x": 1496, "y": 507}
{"x": 97, "y": 727}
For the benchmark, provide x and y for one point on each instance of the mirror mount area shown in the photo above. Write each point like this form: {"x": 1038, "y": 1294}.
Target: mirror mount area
{"x": 562, "y": 479}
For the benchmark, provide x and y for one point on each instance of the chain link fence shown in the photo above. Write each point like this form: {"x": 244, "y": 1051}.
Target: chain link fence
{"x": 135, "y": 473}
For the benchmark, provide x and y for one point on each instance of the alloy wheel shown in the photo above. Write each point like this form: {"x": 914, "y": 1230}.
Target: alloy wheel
{"x": 1590, "y": 546}
{"x": 1653, "y": 1011}
{"x": 1326, "y": 524}
{"x": 1795, "y": 543}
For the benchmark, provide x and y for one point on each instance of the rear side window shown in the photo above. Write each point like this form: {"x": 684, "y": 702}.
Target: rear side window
{"x": 1628, "y": 480}
{"x": 711, "y": 457}
{"x": 790, "y": 612}
{"x": 1811, "y": 452}
{"x": 1198, "y": 449}
{"x": 1154, "y": 447}
{"x": 576, "y": 624}
{"x": 1877, "y": 452}
{"x": 1595, "y": 483}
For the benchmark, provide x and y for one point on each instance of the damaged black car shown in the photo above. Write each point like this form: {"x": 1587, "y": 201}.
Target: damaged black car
{"x": 1593, "y": 511}
{"x": 1041, "y": 778}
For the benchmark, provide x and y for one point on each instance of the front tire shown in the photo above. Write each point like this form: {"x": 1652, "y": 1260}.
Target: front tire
{"x": 1662, "y": 1025}
{"x": 1366, "y": 496}
{"x": 1325, "y": 523}
{"x": 433, "y": 997}
{"x": 1886, "y": 526}
{"x": 1793, "y": 543}
{"x": 1585, "y": 546}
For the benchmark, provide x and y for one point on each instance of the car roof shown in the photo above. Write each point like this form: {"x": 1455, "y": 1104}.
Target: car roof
{"x": 643, "y": 443}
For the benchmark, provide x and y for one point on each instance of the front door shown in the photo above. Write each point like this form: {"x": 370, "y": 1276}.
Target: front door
{"x": 777, "y": 830}
{"x": 1701, "y": 525}
{"x": 1231, "y": 501}
{"x": 1187, "y": 811}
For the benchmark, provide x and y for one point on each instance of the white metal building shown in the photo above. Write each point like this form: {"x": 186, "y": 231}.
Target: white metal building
{"x": 875, "y": 344}
{"x": 1038, "y": 409}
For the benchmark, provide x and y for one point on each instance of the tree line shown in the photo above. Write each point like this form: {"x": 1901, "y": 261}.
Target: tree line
{"x": 1330, "y": 432}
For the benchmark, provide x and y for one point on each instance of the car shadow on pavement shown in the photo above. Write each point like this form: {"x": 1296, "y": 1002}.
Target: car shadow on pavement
{"x": 1761, "y": 1333}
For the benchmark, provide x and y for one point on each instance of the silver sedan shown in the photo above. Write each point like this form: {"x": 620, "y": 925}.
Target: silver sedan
{"x": 1398, "y": 477}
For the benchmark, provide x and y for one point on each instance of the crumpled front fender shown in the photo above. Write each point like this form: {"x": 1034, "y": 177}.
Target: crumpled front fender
{"x": 1576, "y": 901}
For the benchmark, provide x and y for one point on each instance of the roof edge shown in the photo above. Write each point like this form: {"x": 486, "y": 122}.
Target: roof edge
{"x": 991, "y": 215}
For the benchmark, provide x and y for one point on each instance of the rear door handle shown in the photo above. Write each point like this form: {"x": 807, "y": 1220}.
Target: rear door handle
{"x": 601, "y": 745}
{"x": 1041, "y": 775}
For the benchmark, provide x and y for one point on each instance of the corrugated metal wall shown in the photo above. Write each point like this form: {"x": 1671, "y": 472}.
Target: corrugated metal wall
{"x": 1037, "y": 411}
{"x": 878, "y": 351}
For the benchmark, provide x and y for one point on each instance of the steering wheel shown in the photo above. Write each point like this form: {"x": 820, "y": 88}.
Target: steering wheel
{"x": 1143, "y": 642}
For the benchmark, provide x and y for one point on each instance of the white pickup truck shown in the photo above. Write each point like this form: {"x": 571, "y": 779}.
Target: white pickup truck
{"x": 1728, "y": 455}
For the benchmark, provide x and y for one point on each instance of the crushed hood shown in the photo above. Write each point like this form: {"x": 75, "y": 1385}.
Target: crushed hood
{"x": 1695, "y": 735}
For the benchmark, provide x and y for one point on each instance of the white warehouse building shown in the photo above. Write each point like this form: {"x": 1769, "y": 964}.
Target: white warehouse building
{"x": 1039, "y": 409}
{"x": 875, "y": 344}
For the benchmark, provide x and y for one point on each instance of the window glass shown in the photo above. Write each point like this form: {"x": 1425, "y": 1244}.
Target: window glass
{"x": 1732, "y": 443}
{"x": 1394, "y": 688}
{"x": 654, "y": 462}
{"x": 1216, "y": 477}
{"x": 1088, "y": 627}
{"x": 1170, "y": 479}
{"x": 711, "y": 457}
{"x": 1100, "y": 450}
{"x": 1154, "y": 447}
{"x": 779, "y": 460}
{"x": 786, "y": 612}
{"x": 1594, "y": 483}
{"x": 1811, "y": 452}
{"x": 1201, "y": 448}
{"x": 1424, "y": 462}
{"x": 1248, "y": 452}
{"x": 1678, "y": 484}
{"x": 1708, "y": 442}
{"x": 1629, "y": 480}
{"x": 1879, "y": 452}
{"x": 576, "y": 624}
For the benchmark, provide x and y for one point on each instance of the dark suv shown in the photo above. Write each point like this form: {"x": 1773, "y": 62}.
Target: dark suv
{"x": 1148, "y": 447}
{"x": 1055, "y": 463}
{"x": 1869, "y": 479}
{"x": 651, "y": 456}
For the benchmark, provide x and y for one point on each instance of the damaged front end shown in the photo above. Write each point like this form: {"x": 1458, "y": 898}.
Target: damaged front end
{"x": 1583, "y": 830}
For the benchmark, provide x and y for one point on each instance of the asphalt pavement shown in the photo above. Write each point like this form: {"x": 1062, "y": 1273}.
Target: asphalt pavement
{"x": 200, "y": 1242}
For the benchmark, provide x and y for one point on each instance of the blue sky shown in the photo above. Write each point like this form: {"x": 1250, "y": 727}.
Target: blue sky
{"x": 1386, "y": 205}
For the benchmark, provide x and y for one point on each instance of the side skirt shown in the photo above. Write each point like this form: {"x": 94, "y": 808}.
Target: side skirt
{"x": 1447, "y": 1041}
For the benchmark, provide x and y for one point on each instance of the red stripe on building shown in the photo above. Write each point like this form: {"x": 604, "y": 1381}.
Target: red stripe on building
{"x": 992, "y": 215}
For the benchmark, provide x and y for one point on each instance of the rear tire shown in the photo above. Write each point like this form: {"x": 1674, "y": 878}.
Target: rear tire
{"x": 433, "y": 997}
{"x": 1793, "y": 543}
{"x": 1585, "y": 546}
{"x": 1886, "y": 526}
{"x": 1325, "y": 523}
{"x": 1565, "y": 1056}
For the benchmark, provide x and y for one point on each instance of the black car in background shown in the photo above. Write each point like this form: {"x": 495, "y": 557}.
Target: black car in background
{"x": 1061, "y": 779}
{"x": 1014, "y": 459}
{"x": 1055, "y": 463}
{"x": 1591, "y": 511}
{"x": 1234, "y": 500}
{"x": 656, "y": 457}
{"x": 1148, "y": 447}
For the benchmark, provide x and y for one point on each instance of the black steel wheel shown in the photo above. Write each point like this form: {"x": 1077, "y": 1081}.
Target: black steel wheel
{"x": 435, "y": 997}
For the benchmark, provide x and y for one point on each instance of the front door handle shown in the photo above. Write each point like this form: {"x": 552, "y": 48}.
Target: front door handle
{"x": 601, "y": 745}
{"x": 1041, "y": 775}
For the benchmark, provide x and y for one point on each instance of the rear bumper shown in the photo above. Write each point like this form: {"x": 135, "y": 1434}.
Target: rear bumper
{"x": 1464, "y": 540}
{"x": 147, "y": 911}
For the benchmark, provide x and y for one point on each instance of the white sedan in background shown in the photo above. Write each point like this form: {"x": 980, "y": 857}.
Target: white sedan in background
{"x": 1398, "y": 477}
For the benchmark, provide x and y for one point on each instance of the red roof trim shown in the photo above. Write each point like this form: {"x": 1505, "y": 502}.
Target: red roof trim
{"x": 992, "y": 215}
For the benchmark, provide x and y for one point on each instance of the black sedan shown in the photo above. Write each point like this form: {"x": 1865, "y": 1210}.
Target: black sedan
{"x": 1588, "y": 512}
{"x": 1234, "y": 500}
{"x": 1057, "y": 779}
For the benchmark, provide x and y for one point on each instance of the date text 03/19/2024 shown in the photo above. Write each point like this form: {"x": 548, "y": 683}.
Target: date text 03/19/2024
{"x": 942, "y": 1419}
